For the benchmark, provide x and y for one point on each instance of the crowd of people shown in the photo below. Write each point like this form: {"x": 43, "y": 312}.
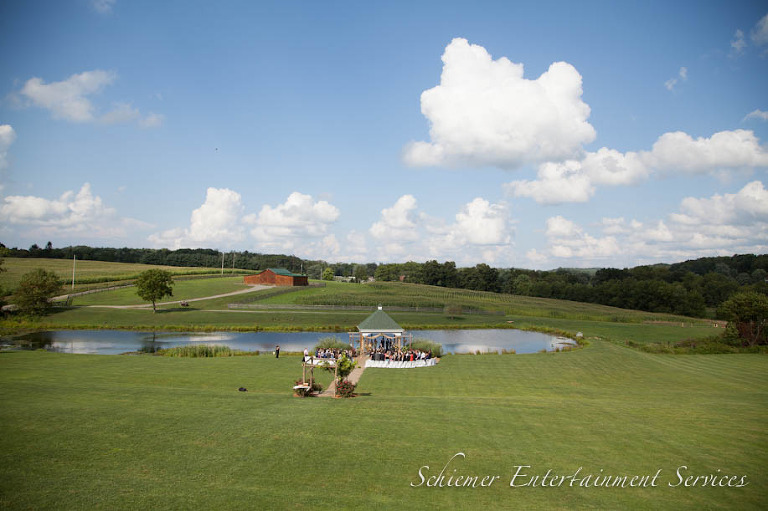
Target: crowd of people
{"x": 395, "y": 355}
{"x": 330, "y": 354}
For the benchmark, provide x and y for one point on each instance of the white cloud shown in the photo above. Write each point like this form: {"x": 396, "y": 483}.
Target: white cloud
{"x": 397, "y": 223}
{"x": 611, "y": 167}
{"x": 103, "y": 6}
{"x": 682, "y": 75}
{"x": 479, "y": 231}
{"x": 83, "y": 214}
{"x": 738, "y": 43}
{"x": 746, "y": 207}
{"x": 69, "y": 99}
{"x": 557, "y": 183}
{"x": 482, "y": 223}
{"x": 560, "y": 227}
{"x": 7, "y": 137}
{"x": 756, "y": 114}
{"x": 718, "y": 225}
{"x": 484, "y": 112}
{"x": 152, "y": 120}
{"x": 574, "y": 181}
{"x": 759, "y": 34}
{"x": 286, "y": 226}
{"x": 726, "y": 150}
{"x": 216, "y": 222}
{"x": 674, "y": 152}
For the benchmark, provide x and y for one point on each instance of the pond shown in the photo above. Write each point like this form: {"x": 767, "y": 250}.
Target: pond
{"x": 113, "y": 342}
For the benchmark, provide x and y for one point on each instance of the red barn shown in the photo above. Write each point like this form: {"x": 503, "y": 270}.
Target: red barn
{"x": 276, "y": 277}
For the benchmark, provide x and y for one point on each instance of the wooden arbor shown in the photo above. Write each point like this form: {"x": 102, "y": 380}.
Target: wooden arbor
{"x": 377, "y": 329}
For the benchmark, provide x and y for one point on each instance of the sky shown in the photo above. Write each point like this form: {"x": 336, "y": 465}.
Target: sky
{"x": 519, "y": 134}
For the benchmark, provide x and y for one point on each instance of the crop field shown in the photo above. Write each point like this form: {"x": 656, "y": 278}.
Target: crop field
{"x": 417, "y": 295}
{"x": 143, "y": 432}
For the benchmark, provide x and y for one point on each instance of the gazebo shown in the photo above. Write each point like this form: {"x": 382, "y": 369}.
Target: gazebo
{"x": 379, "y": 331}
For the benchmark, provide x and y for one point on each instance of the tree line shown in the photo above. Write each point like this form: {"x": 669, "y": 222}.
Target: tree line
{"x": 690, "y": 288}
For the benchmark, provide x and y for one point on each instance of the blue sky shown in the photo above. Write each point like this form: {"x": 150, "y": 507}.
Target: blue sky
{"x": 525, "y": 134}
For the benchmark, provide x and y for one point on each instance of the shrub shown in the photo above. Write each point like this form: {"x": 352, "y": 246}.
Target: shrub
{"x": 426, "y": 345}
{"x": 331, "y": 343}
{"x": 345, "y": 388}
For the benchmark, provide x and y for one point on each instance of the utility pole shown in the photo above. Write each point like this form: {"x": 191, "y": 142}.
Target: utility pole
{"x": 222, "y": 263}
{"x": 74, "y": 263}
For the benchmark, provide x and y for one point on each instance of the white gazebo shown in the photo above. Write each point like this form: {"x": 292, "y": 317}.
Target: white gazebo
{"x": 379, "y": 330}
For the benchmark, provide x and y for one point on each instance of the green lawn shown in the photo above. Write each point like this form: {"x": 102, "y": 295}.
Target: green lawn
{"x": 114, "y": 432}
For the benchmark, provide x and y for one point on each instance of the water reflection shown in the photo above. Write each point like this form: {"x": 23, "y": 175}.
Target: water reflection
{"x": 111, "y": 342}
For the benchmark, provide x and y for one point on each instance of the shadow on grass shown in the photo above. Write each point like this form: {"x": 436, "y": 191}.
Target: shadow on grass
{"x": 176, "y": 309}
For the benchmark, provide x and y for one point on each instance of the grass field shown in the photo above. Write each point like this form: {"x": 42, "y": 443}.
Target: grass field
{"x": 213, "y": 314}
{"x": 182, "y": 290}
{"x": 88, "y": 274}
{"x": 146, "y": 432}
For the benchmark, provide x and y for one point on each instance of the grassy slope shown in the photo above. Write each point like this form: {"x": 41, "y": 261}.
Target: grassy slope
{"x": 85, "y": 270}
{"x": 182, "y": 290}
{"x": 526, "y": 312}
{"x": 146, "y": 432}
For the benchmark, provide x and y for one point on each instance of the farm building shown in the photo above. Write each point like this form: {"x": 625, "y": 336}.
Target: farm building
{"x": 277, "y": 277}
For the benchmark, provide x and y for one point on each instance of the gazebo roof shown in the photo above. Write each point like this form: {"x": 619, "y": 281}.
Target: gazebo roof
{"x": 379, "y": 322}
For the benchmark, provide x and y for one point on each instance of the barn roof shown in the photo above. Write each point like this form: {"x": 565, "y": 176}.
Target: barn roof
{"x": 379, "y": 322}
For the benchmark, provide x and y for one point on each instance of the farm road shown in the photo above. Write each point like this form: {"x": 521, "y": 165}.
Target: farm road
{"x": 250, "y": 289}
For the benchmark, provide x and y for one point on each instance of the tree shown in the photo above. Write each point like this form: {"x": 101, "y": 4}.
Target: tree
{"x": 328, "y": 274}
{"x": 35, "y": 291}
{"x": 3, "y": 252}
{"x": 152, "y": 285}
{"x": 453, "y": 310}
{"x": 361, "y": 273}
{"x": 747, "y": 315}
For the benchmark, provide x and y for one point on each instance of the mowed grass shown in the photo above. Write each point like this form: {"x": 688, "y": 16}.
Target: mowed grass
{"x": 145, "y": 432}
{"x": 182, "y": 290}
{"x": 86, "y": 271}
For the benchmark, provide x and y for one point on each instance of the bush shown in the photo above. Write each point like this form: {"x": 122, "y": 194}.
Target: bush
{"x": 331, "y": 343}
{"x": 426, "y": 345}
{"x": 345, "y": 388}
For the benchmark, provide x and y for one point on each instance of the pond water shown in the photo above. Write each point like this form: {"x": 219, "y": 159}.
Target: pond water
{"x": 113, "y": 342}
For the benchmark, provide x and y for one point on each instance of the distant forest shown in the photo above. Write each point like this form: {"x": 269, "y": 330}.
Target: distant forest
{"x": 691, "y": 288}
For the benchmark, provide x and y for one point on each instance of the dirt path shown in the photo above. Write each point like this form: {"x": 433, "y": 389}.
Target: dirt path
{"x": 354, "y": 377}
